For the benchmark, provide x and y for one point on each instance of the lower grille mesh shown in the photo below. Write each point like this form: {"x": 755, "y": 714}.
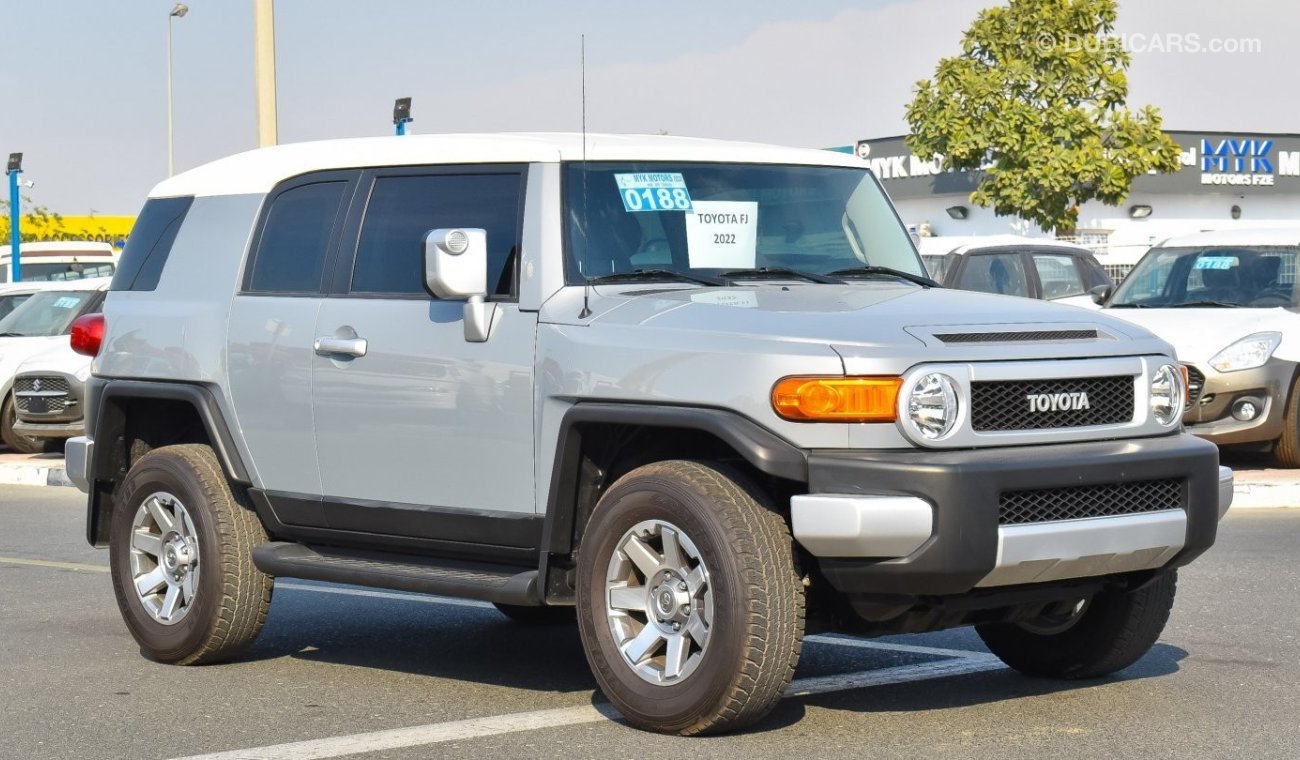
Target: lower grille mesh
{"x": 1078, "y": 502}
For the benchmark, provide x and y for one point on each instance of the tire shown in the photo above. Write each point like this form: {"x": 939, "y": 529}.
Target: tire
{"x": 1287, "y": 449}
{"x": 229, "y": 597}
{"x": 17, "y": 442}
{"x": 528, "y": 615}
{"x": 746, "y": 606}
{"x": 1114, "y": 630}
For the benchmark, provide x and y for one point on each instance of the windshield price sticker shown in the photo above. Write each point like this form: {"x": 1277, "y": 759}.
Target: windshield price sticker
{"x": 664, "y": 191}
{"x": 1217, "y": 262}
{"x": 723, "y": 234}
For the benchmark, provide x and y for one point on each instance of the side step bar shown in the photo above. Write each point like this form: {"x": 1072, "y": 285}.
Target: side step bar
{"x": 491, "y": 583}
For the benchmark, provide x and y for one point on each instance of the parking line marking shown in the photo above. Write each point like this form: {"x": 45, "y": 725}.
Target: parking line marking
{"x": 55, "y": 565}
{"x": 474, "y": 728}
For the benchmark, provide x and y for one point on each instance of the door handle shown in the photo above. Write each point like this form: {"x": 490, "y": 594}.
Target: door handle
{"x": 327, "y": 345}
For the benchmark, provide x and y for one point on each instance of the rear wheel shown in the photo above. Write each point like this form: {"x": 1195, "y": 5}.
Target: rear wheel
{"x": 17, "y": 442}
{"x": 689, "y": 604}
{"x": 1093, "y": 638}
{"x": 180, "y": 550}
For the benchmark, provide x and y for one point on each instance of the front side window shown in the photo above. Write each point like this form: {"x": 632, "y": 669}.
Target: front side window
{"x": 1212, "y": 276}
{"x": 1001, "y": 273}
{"x": 45, "y": 313}
{"x": 1059, "y": 275}
{"x": 291, "y": 254}
{"x": 710, "y": 219}
{"x": 404, "y": 208}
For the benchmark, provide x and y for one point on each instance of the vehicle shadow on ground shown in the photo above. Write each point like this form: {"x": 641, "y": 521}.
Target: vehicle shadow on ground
{"x": 967, "y": 690}
{"x": 474, "y": 644}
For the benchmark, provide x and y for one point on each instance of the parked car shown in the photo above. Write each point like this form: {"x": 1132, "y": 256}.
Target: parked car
{"x": 43, "y": 321}
{"x": 1018, "y": 266}
{"x": 49, "y": 392}
{"x": 1228, "y": 302}
{"x": 696, "y": 394}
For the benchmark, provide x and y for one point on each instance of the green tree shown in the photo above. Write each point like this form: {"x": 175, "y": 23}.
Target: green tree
{"x": 1037, "y": 101}
{"x": 37, "y": 223}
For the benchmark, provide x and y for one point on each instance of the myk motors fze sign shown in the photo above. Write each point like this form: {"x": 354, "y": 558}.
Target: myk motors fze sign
{"x": 1244, "y": 162}
{"x": 1240, "y": 163}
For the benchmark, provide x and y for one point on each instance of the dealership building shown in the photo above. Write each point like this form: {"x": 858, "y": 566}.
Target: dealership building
{"x": 1227, "y": 179}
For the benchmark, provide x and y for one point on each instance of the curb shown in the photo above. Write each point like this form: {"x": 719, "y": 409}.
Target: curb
{"x": 34, "y": 475}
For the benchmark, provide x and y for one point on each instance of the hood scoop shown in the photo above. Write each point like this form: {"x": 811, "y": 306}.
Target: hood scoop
{"x": 1017, "y": 336}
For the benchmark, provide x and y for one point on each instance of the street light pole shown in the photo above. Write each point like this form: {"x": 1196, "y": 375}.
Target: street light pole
{"x": 13, "y": 169}
{"x": 177, "y": 12}
{"x": 264, "y": 71}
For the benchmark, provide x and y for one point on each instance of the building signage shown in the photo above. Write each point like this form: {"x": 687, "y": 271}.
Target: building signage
{"x": 1211, "y": 162}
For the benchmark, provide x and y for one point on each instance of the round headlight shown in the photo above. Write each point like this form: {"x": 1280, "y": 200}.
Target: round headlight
{"x": 1167, "y": 395}
{"x": 932, "y": 406}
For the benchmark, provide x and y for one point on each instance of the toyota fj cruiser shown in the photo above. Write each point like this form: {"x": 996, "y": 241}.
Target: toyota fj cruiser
{"x": 701, "y": 391}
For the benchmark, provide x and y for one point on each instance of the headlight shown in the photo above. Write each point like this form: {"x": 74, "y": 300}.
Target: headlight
{"x": 931, "y": 406}
{"x": 1248, "y": 353}
{"x": 1167, "y": 394}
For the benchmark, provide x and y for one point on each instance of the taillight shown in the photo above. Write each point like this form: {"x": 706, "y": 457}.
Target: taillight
{"x": 88, "y": 334}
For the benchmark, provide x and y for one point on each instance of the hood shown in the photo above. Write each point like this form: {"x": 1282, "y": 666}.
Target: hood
{"x": 1199, "y": 334}
{"x": 858, "y": 317}
{"x": 57, "y": 358}
{"x": 15, "y": 351}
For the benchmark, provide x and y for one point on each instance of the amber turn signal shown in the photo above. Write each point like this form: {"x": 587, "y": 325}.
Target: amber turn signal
{"x": 837, "y": 399}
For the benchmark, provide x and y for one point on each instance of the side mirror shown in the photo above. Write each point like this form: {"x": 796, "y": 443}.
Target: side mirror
{"x": 1100, "y": 293}
{"x": 455, "y": 266}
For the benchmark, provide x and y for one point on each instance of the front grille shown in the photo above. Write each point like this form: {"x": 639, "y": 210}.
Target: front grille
{"x": 1006, "y": 405}
{"x": 1077, "y": 502}
{"x": 51, "y": 384}
{"x": 1017, "y": 337}
{"x": 1195, "y": 384}
{"x": 54, "y": 390}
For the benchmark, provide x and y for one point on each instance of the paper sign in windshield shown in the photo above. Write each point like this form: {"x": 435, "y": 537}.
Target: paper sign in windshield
{"x": 723, "y": 234}
{"x": 654, "y": 191}
{"x": 66, "y": 302}
{"x": 1216, "y": 262}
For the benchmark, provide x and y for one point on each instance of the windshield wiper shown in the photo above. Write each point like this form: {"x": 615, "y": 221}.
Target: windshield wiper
{"x": 14, "y": 335}
{"x": 1202, "y": 304}
{"x": 874, "y": 269}
{"x": 1130, "y": 306}
{"x": 655, "y": 274}
{"x": 779, "y": 273}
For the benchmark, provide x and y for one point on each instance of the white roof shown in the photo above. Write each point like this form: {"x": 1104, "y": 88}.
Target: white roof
{"x": 945, "y": 244}
{"x": 89, "y": 283}
{"x": 257, "y": 171}
{"x": 1236, "y": 236}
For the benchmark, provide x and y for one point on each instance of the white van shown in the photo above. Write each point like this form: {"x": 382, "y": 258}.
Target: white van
{"x": 59, "y": 260}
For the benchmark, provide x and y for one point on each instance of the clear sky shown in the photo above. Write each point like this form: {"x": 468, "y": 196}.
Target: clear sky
{"x": 87, "y": 100}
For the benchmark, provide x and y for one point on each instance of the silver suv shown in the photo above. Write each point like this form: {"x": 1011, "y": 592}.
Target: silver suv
{"x": 700, "y": 391}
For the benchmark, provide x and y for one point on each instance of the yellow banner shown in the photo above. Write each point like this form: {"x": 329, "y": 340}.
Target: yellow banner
{"x": 101, "y": 229}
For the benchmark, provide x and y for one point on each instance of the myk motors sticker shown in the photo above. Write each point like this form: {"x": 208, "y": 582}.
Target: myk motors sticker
{"x": 663, "y": 191}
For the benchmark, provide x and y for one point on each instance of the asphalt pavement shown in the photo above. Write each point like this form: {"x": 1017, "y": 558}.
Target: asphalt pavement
{"x": 347, "y": 672}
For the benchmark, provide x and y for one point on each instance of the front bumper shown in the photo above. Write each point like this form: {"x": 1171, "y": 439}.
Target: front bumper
{"x": 960, "y": 492}
{"x": 1210, "y": 415}
{"x": 50, "y": 429}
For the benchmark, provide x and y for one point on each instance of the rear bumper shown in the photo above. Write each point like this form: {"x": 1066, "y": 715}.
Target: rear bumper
{"x": 961, "y": 545}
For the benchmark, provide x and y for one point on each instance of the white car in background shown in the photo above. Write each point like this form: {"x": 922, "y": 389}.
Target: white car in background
{"x": 1228, "y": 302}
{"x": 42, "y": 322}
{"x": 49, "y": 393}
{"x": 1013, "y": 265}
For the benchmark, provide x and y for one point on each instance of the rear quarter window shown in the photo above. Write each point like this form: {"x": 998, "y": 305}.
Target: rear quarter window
{"x": 150, "y": 243}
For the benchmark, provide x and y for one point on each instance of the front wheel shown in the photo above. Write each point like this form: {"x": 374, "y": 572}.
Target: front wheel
{"x": 181, "y": 553}
{"x": 16, "y": 441}
{"x": 689, "y": 604}
{"x": 1099, "y": 636}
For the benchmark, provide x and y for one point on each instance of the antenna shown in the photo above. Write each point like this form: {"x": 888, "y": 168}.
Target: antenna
{"x": 582, "y": 68}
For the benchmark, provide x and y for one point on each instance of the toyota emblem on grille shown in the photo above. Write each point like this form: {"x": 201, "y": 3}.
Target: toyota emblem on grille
{"x": 1057, "y": 402}
{"x": 36, "y": 384}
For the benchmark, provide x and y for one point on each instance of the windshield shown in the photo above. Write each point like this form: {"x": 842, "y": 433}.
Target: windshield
{"x": 46, "y": 313}
{"x": 1212, "y": 276}
{"x": 711, "y": 219}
